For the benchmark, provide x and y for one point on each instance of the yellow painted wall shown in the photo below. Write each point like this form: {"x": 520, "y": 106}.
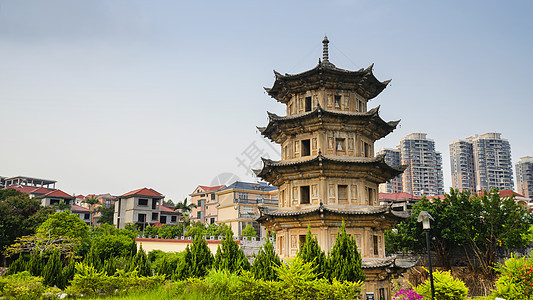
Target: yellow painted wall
{"x": 171, "y": 245}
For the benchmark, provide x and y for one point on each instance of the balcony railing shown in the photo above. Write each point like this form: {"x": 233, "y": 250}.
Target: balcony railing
{"x": 256, "y": 201}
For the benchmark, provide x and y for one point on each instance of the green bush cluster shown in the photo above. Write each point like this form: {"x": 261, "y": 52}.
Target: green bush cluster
{"x": 21, "y": 286}
{"x": 515, "y": 280}
{"x": 90, "y": 282}
{"x": 446, "y": 287}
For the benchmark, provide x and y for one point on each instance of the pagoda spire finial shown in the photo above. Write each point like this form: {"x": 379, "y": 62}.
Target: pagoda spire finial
{"x": 325, "y": 55}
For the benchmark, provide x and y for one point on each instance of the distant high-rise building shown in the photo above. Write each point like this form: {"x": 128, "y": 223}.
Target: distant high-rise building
{"x": 424, "y": 174}
{"x": 524, "y": 176}
{"x": 393, "y": 159}
{"x": 481, "y": 162}
{"x": 462, "y": 163}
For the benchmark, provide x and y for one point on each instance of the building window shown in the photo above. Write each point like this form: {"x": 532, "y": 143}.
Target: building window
{"x": 143, "y": 202}
{"x": 199, "y": 215}
{"x": 212, "y": 221}
{"x": 155, "y": 216}
{"x": 200, "y": 203}
{"x": 361, "y": 106}
{"x": 375, "y": 240}
{"x": 307, "y": 103}
{"x": 243, "y": 196}
{"x": 304, "y": 195}
{"x": 306, "y": 147}
{"x": 366, "y": 149}
{"x": 163, "y": 220}
{"x": 154, "y": 203}
{"x": 339, "y": 144}
{"x": 141, "y": 218}
{"x": 54, "y": 201}
{"x": 212, "y": 196}
{"x": 86, "y": 216}
{"x": 173, "y": 219}
{"x": 337, "y": 101}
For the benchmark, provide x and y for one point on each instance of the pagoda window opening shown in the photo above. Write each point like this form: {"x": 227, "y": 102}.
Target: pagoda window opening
{"x": 366, "y": 149}
{"x": 342, "y": 192}
{"x": 306, "y": 147}
{"x": 361, "y": 106}
{"x": 375, "y": 240}
{"x": 302, "y": 240}
{"x": 337, "y": 101}
{"x": 339, "y": 144}
{"x": 307, "y": 103}
{"x": 305, "y": 195}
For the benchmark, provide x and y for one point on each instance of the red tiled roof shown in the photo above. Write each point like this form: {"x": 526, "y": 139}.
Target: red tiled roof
{"x": 143, "y": 192}
{"x": 167, "y": 209}
{"x": 80, "y": 197}
{"x": 59, "y": 194}
{"x": 211, "y": 188}
{"x": 29, "y": 189}
{"x": 509, "y": 193}
{"x": 77, "y": 208}
{"x": 396, "y": 196}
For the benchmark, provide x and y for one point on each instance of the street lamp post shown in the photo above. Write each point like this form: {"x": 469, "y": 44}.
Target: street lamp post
{"x": 424, "y": 217}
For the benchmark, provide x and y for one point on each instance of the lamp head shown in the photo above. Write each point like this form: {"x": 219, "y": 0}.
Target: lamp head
{"x": 424, "y": 217}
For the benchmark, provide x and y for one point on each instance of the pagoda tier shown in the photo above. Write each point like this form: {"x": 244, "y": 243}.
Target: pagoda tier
{"x": 371, "y": 169}
{"x": 326, "y": 75}
{"x": 369, "y": 124}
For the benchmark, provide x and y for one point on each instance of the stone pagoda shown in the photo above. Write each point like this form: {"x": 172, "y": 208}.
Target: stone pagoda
{"x": 328, "y": 171}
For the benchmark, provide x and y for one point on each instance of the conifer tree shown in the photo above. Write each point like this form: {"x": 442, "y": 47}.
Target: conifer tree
{"x": 165, "y": 269}
{"x": 36, "y": 264}
{"x": 230, "y": 256}
{"x": 344, "y": 261}
{"x": 68, "y": 273}
{"x": 310, "y": 252}
{"x": 140, "y": 261}
{"x": 265, "y": 262}
{"x": 183, "y": 269}
{"x": 52, "y": 275}
{"x": 201, "y": 257}
{"x": 110, "y": 266}
{"x": 19, "y": 265}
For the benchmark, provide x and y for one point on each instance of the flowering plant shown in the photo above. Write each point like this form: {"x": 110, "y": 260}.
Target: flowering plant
{"x": 407, "y": 295}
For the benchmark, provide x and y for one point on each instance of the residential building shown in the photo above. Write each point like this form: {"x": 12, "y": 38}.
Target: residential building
{"x": 169, "y": 215}
{"x": 462, "y": 165}
{"x": 30, "y": 181}
{"x": 238, "y": 205}
{"x": 141, "y": 207}
{"x": 104, "y": 200}
{"x": 481, "y": 162}
{"x": 423, "y": 175}
{"x": 398, "y": 201}
{"x": 393, "y": 159}
{"x": 524, "y": 176}
{"x": 55, "y": 197}
{"x": 204, "y": 197}
{"x": 82, "y": 212}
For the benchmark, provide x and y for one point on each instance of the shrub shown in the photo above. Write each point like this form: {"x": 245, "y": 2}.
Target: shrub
{"x": 406, "y": 295}
{"x": 516, "y": 279}
{"x": 446, "y": 287}
{"x": 52, "y": 275}
{"x": 21, "y": 286}
{"x": 311, "y": 252}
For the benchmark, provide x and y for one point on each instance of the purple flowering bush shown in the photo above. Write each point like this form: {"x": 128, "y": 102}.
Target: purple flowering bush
{"x": 407, "y": 295}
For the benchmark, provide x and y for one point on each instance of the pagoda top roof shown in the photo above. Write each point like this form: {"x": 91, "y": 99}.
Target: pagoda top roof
{"x": 325, "y": 74}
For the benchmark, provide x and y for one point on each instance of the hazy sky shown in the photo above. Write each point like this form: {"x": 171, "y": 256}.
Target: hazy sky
{"x": 111, "y": 96}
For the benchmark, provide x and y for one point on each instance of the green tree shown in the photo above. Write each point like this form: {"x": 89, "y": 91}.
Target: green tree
{"x": 140, "y": 261}
{"x": 344, "y": 261}
{"x": 249, "y": 231}
{"x": 196, "y": 261}
{"x": 19, "y": 216}
{"x": 197, "y": 229}
{"x": 310, "y": 252}
{"x": 65, "y": 224}
{"x": 52, "y": 272}
{"x": 184, "y": 206}
{"x": 62, "y": 206}
{"x": 265, "y": 263}
{"x": 106, "y": 214}
{"x": 91, "y": 201}
{"x": 230, "y": 256}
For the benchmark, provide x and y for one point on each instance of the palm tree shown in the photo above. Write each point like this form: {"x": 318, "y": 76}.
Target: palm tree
{"x": 184, "y": 206}
{"x": 92, "y": 200}
{"x": 61, "y": 206}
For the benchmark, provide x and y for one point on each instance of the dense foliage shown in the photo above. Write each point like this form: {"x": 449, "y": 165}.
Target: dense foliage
{"x": 19, "y": 216}
{"x": 478, "y": 224}
{"x": 516, "y": 279}
{"x": 446, "y": 287}
{"x": 230, "y": 256}
{"x": 265, "y": 262}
